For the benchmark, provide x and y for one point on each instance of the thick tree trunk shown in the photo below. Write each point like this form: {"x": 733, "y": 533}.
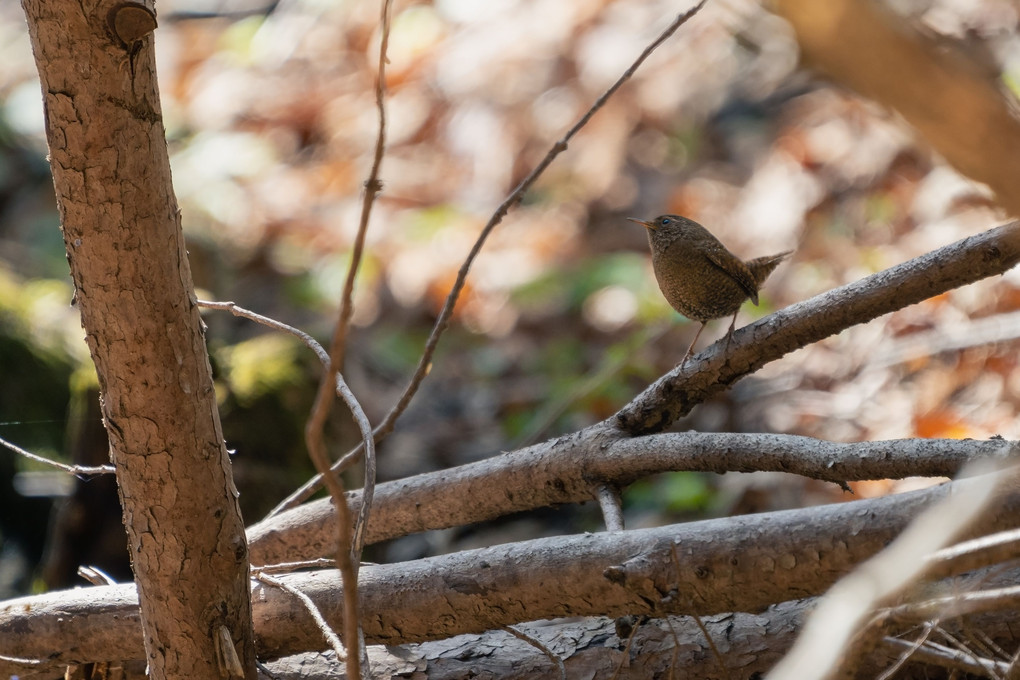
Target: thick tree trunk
{"x": 124, "y": 243}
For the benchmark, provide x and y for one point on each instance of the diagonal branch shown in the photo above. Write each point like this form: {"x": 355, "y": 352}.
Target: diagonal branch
{"x": 444, "y": 316}
{"x": 81, "y": 471}
{"x": 990, "y": 253}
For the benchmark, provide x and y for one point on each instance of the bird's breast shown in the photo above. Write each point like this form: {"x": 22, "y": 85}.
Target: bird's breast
{"x": 693, "y": 285}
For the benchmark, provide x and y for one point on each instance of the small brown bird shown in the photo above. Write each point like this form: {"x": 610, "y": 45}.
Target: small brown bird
{"x": 699, "y": 277}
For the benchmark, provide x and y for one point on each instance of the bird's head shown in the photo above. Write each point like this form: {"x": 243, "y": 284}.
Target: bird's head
{"x": 665, "y": 229}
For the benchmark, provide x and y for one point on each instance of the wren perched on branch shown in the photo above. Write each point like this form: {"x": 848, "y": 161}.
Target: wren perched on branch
{"x": 699, "y": 277}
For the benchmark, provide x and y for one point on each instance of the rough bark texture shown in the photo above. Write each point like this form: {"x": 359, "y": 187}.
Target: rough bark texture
{"x": 727, "y": 565}
{"x": 673, "y": 647}
{"x": 566, "y": 470}
{"x": 589, "y": 648}
{"x": 124, "y": 243}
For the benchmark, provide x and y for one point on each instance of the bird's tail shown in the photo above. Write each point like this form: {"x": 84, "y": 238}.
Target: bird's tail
{"x": 761, "y": 267}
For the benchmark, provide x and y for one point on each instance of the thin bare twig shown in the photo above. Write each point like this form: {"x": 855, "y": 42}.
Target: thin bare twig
{"x": 975, "y": 602}
{"x": 327, "y": 632}
{"x": 537, "y": 644}
{"x": 349, "y": 539}
{"x": 96, "y": 576}
{"x": 341, "y": 389}
{"x": 349, "y": 542}
{"x": 338, "y": 346}
{"x": 676, "y": 648}
{"x": 368, "y": 487}
{"x": 961, "y": 648}
{"x": 289, "y": 567}
{"x": 236, "y": 310}
{"x": 977, "y": 552}
{"x": 907, "y": 653}
{"x": 608, "y": 497}
{"x": 982, "y": 638}
{"x": 948, "y": 657}
{"x": 443, "y": 321}
{"x": 78, "y": 470}
{"x": 21, "y": 662}
{"x": 373, "y": 185}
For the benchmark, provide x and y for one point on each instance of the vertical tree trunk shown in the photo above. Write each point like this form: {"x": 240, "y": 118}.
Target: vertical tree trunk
{"x": 124, "y": 243}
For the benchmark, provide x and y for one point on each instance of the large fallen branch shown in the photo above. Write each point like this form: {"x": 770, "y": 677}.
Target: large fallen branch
{"x": 675, "y": 647}
{"x": 726, "y": 565}
{"x": 566, "y": 471}
{"x": 590, "y": 648}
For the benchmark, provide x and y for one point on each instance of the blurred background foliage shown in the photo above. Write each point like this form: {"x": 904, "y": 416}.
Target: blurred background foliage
{"x": 270, "y": 119}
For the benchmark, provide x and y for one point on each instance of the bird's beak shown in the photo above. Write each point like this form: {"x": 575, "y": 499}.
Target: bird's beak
{"x": 647, "y": 225}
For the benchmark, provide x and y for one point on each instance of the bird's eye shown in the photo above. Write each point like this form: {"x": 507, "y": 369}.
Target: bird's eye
{"x": 665, "y": 221}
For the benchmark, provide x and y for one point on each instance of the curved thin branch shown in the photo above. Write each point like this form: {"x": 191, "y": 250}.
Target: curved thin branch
{"x": 373, "y": 185}
{"x": 243, "y": 313}
{"x": 970, "y": 555}
{"x": 559, "y": 147}
{"x": 537, "y": 644}
{"x": 327, "y": 632}
{"x": 77, "y": 470}
{"x": 443, "y": 321}
{"x": 351, "y": 542}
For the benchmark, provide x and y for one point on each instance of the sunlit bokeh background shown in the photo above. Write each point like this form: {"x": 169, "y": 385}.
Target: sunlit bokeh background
{"x": 270, "y": 117}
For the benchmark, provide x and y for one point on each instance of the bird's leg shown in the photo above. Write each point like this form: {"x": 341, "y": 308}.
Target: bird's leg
{"x": 729, "y": 333}
{"x": 689, "y": 349}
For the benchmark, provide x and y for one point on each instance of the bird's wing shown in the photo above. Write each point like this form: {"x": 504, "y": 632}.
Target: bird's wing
{"x": 735, "y": 268}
